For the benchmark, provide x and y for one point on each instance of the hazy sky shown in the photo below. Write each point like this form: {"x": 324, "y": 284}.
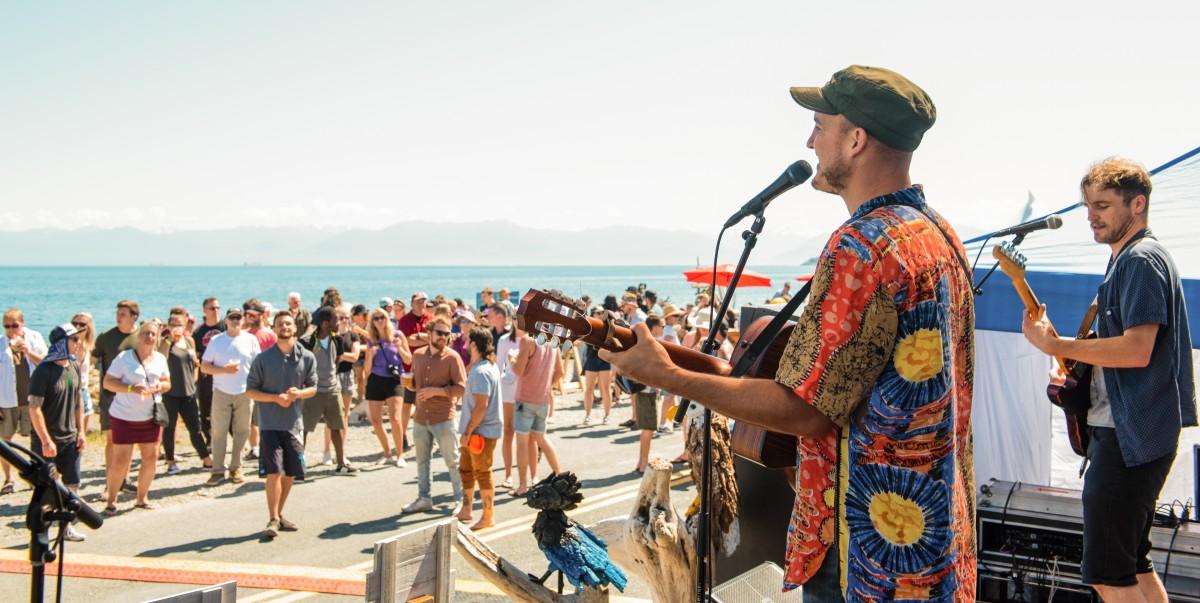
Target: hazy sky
{"x": 557, "y": 114}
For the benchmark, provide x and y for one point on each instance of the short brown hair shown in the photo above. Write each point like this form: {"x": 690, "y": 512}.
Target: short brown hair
{"x": 1125, "y": 176}
{"x": 130, "y": 305}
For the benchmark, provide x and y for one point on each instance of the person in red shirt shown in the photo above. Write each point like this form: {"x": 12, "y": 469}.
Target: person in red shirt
{"x": 412, "y": 325}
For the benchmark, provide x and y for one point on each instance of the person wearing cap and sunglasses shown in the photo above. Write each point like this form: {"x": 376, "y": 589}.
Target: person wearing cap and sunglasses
{"x": 880, "y": 361}
{"x": 55, "y": 410}
{"x": 21, "y": 350}
{"x": 227, "y": 358}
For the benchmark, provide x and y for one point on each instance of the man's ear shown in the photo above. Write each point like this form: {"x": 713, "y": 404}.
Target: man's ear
{"x": 1139, "y": 205}
{"x": 856, "y": 141}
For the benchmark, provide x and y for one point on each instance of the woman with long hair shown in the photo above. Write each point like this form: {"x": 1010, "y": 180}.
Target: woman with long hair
{"x": 137, "y": 377}
{"x": 506, "y": 355}
{"x": 83, "y": 322}
{"x": 383, "y": 366}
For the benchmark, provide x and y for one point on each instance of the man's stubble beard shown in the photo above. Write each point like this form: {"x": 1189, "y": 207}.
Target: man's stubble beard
{"x": 832, "y": 176}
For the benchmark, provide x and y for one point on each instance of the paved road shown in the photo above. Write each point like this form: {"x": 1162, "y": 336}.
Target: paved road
{"x": 341, "y": 517}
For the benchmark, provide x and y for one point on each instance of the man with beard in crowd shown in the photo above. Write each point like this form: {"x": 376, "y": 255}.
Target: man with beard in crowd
{"x": 440, "y": 379}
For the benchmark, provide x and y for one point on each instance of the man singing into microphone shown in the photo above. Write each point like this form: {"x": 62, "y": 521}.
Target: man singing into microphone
{"x": 877, "y": 376}
{"x": 1142, "y": 392}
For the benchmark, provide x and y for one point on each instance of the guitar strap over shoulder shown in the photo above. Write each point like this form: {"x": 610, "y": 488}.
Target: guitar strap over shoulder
{"x": 1089, "y": 317}
{"x": 764, "y": 339}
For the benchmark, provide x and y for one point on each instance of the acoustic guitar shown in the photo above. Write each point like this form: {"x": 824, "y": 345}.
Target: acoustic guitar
{"x": 554, "y": 318}
{"x": 1074, "y": 396}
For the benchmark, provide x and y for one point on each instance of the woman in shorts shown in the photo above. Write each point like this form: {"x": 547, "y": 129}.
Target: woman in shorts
{"x": 137, "y": 377}
{"x": 384, "y": 363}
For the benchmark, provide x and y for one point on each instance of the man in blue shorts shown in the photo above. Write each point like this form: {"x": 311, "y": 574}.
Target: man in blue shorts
{"x": 280, "y": 377}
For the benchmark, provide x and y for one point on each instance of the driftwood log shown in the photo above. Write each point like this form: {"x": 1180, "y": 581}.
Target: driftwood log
{"x": 653, "y": 542}
{"x": 511, "y": 579}
{"x": 723, "y": 513}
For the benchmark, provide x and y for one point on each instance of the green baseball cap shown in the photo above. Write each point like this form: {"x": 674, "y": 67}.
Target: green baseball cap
{"x": 884, "y": 103}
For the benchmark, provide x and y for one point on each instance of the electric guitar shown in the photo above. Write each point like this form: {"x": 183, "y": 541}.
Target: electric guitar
{"x": 554, "y": 318}
{"x": 1074, "y": 396}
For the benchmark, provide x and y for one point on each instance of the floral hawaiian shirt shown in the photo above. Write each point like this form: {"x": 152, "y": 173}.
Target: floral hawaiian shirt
{"x": 884, "y": 349}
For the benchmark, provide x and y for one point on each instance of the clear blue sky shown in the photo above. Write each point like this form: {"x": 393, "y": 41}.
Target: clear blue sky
{"x": 558, "y": 114}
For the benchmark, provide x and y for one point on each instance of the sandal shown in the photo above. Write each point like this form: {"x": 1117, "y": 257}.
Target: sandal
{"x": 110, "y": 510}
{"x": 148, "y": 505}
{"x": 506, "y": 484}
{"x": 8, "y": 488}
{"x": 520, "y": 493}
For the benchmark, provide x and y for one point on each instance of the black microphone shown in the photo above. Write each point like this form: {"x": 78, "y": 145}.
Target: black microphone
{"x": 795, "y": 174}
{"x": 29, "y": 471}
{"x": 1047, "y": 223}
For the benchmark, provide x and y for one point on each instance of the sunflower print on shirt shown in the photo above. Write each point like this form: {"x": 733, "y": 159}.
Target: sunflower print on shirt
{"x": 884, "y": 349}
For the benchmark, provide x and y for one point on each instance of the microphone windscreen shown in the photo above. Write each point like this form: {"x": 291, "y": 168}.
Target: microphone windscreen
{"x": 799, "y": 171}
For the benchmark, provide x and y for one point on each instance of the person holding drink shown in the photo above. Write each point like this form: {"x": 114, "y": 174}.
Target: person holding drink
{"x": 136, "y": 378}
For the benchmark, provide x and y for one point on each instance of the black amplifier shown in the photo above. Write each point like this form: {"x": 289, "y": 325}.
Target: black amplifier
{"x": 1030, "y": 545}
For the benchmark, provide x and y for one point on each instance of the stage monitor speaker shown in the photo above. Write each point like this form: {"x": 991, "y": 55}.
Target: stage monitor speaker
{"x": 765, "y": 499}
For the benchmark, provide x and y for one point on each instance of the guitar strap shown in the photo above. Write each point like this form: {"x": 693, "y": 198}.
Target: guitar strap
{"x": 764, "y": 339}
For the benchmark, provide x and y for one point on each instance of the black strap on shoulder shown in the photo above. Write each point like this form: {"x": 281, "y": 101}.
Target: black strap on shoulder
{"x": 764, "y": 339}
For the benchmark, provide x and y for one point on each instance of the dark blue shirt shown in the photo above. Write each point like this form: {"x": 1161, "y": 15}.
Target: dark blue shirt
{"x": 1149, "y": 405}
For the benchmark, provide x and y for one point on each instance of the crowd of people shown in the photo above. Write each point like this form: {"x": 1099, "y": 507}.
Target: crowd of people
{"x": 251, "y": 384}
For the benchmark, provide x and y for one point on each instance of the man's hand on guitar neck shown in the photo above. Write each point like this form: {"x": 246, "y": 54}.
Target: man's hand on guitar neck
{"x": 1038, "y": 330}
{"x": 646, "y": 362}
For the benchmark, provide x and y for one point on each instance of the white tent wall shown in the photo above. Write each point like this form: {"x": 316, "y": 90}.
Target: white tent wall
{"x": 1010, "y": 415}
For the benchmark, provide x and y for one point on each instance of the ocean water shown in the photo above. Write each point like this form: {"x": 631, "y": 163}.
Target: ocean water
{"x": 51, "y": 295}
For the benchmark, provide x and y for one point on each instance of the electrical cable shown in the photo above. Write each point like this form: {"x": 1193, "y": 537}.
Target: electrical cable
{"x": 1170, "y": 549}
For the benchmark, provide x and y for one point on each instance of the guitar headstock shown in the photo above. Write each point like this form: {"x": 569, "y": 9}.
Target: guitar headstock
{"x": 1011, "y": 261}
{"x": 554, "y": 317}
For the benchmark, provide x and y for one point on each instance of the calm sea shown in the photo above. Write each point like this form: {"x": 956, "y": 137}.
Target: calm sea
{"x": 51, "y": 295}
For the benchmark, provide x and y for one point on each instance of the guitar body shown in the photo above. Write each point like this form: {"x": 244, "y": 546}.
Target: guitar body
{"x": 1075, "y": 398}
{"x": 755, "y": 443}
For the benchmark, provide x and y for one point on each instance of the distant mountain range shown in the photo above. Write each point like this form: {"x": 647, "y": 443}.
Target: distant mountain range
{"x": 406, "y": 243}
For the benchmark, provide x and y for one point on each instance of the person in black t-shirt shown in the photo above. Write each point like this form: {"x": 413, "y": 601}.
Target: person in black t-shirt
{"x": 212, "y": 326}
{"x": 181, "y": 399}
{"x": 55, "y": 411}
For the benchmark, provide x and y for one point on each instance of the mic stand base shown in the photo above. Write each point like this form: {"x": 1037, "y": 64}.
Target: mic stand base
{"x": 45, "y": 509}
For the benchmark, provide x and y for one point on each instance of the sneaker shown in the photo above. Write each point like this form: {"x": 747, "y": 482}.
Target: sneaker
{"x": 73, "y": 535}
{"x": 215, "y": 479}
{"x": 272, "y": 529}
{"x": 666, "y": 428}
{"x": 236, "y": 477}
{"x": 418, "y": 506}
{"x": 400, "y": 462}
{"x": 252, "y": 455}
{"x": 586, "y": 421}
{"x": 327, "y": 458}
{"x": 605, "y": 420}
{"x": 287, "y": 526}
{"x": 346, "y": 469}
{"x": 549, "y": 420}
{"x": 629, "y": 423}
{"x": 172, "y": 469}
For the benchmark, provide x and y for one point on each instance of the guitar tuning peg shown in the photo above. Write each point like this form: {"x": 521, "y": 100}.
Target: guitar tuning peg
{"x": 541, "y": 339}
{"x": 554, "y": 341}
{"x": 566, "y": 345}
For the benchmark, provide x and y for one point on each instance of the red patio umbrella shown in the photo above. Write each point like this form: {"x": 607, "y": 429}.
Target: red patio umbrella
{"x": 703, "y": 276}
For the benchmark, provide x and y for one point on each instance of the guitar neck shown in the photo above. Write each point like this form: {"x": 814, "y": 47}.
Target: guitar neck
{"x": 624, "y": 338}
{"x": 1033, "y": 307}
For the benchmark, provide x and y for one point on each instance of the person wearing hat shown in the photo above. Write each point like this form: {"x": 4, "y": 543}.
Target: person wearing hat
{"x": 886, "y": 338}
{"x": 633, "y": 313}
{"x": 386, "y": 304}
{"x": 227, "y": 358}
{"x": 55, "y": 412}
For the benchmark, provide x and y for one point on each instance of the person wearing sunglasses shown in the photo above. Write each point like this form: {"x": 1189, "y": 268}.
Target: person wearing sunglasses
{"x": 440, "y": 380}
{"x": 227, "y": 358}
{"x": 83, "y": 322}
{"x": 55, "y": 411}
{"x": 204, "y": 333}
{"x": 384, "y": 368}
{"x": 137, "y": 377}
{"x": 21, "y": 350}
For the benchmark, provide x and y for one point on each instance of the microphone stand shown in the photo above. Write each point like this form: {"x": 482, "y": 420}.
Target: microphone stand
{"x": 977, "y": 289}
{"x": 702, "y": 536}
{"x": 46, "y": 507}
